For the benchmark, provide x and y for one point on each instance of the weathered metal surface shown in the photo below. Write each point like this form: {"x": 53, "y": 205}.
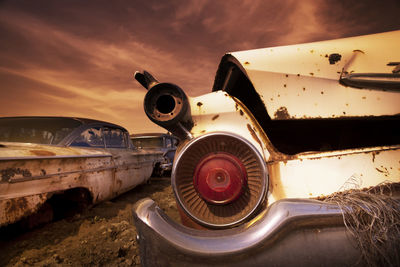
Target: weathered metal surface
{"x": 300, "y": 84}
{"x": 302, "y": 81}
{"x": 315, "y": 175}
{"x": 234, "y": 117}
{"x": 27, "y": 180}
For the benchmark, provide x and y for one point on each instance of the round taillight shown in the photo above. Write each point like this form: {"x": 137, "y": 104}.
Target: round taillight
{"x": 220, "y": 178}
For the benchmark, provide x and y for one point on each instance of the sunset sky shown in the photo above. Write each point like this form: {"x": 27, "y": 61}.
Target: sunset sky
{"x": 77, "y": 58}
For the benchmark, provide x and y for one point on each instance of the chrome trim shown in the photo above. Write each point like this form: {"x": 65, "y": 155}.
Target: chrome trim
{"x": 195, "y": 140}
{"x": 291, "y": 231}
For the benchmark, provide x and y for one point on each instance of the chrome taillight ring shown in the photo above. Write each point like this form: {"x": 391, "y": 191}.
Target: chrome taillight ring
{"x": 223, "y": 214}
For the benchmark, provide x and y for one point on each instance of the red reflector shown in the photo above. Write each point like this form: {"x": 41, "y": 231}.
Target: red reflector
{"x": 220, "y": 178}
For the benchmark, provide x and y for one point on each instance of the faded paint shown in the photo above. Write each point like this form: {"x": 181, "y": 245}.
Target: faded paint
{"x": 298, "y": 69}
{"x": 27, "y": 181}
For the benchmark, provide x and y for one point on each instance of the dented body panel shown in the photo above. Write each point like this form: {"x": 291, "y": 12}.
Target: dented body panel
{"x": 30, "y": 174}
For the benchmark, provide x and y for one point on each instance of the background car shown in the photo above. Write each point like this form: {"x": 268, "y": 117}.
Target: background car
{"x": 164, "y": 142}
{"x": 292, "y": 160}
{"x": 48, "y": 164}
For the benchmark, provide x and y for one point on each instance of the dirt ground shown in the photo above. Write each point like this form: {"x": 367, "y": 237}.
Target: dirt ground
{"x": 102, "y": 235}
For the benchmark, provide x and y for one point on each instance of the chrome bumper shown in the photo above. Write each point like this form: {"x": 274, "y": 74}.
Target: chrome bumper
{"x": 291, "y": 232}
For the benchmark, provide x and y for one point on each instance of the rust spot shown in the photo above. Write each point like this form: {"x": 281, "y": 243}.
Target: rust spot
{"x": 247, "y": 63}
{"x": 335, "y": 57}
{"x": 304, "y": 88}
{"x": 203, "y": 131}
{"x": 282, "y": 114}
{"x": 215, "y": 117}
{"x": 16, "y": 204}
{"x": 344, "y": 112}
{"x": 364, "y": 97}
{"x": 279, "y": 95}
{"x": 311, "y": 73}
{"x": 298, "y": 74}
{"x": 241, "y": 112}
{"x": 42, "y": 153}
{"x": 322, "y": 92}
{"x": 271, "y": 99}
{"x": 287, "y": 75}
{"x": 326, "y": 55}
{"x": 9, "y": 173}
{"x": 43, "y": 172}
{"x": 284, "y": 85}
{"x": 199, "y": 104}
{"x": 311, "y": 51}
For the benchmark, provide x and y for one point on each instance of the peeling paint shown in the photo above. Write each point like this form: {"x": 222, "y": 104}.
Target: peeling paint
{"x": 9, "y": 173}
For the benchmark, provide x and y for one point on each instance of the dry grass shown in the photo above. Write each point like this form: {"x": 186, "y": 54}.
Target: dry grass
{"x": 372, "y": 216}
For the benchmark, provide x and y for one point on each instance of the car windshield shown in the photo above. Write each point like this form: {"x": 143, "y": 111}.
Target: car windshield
{"x": 36, "y": 130}
{"x": 148, "y": 142}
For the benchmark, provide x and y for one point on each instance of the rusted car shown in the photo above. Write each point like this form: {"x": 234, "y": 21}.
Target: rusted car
{"x": 164, "y": 142}
{"x": 293, "y": 159}
{"x": 49, "y": 162}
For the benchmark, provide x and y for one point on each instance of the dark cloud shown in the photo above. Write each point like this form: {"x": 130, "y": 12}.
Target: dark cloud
{"x": 88, "y": 50}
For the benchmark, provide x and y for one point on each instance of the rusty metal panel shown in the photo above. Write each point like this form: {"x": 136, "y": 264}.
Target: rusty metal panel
{"x": 27, "y": 180}
{"x": 302, "y": 81}
{"x": 11, "y": 210}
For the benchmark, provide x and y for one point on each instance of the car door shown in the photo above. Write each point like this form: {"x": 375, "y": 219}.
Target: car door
{"x": 131, "y": 167}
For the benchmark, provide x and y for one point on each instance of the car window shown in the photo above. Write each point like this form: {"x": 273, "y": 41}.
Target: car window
{"x": 148, "y": 142}
{"x": 38, "y": 130}
{"x": 115, "y": 138}
{"x": 90, "y": 138}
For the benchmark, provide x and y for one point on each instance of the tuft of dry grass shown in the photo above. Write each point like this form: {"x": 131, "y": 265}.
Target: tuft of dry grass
{"x": 372, "y": 216}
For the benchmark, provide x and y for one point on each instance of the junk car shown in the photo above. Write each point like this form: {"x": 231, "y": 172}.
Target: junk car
{"x": 164, "y": 142}
{"x": 293, "y": 159}
{"x": 57, "y": 160}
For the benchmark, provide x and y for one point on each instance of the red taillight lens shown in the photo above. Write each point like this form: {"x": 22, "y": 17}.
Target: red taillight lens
{"x": 220, "y": 178}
